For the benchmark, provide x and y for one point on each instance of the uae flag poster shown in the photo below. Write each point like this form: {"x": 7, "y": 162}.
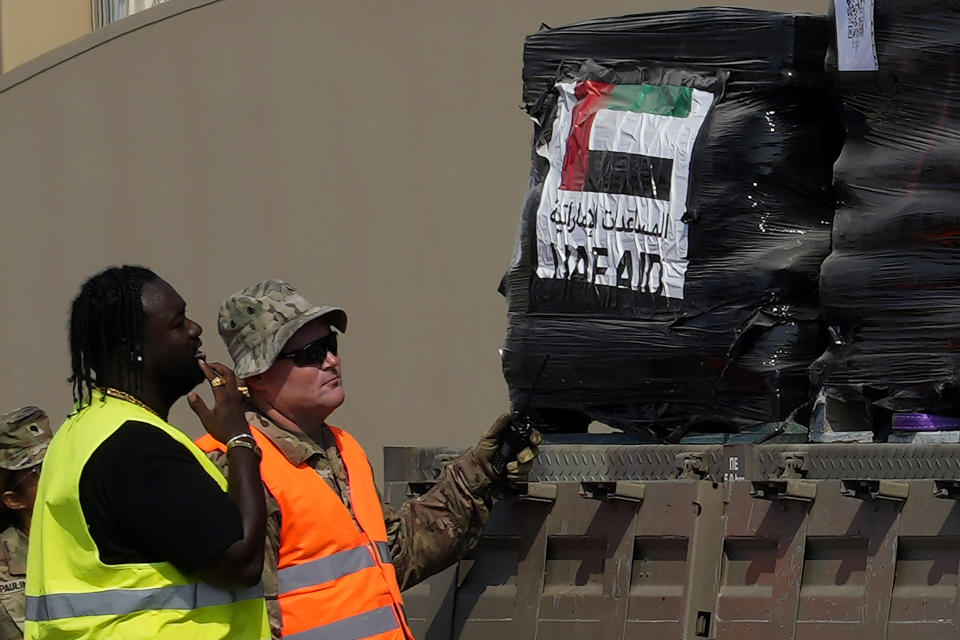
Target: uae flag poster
{"x": 612, "y": 204}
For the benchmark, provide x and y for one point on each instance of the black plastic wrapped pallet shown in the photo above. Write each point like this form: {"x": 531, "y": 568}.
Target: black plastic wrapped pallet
{"x": 890, "y": 286}
{"x": 719, "y": 321}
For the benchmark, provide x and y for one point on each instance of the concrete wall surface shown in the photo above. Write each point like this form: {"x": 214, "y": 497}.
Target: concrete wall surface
{"x": 29, "y": 28}
{"x": 371, "y": 153}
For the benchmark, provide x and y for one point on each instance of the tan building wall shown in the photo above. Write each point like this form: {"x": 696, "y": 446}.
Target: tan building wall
{"x": 372, "y": 153}
{"x": 29, "y": 28}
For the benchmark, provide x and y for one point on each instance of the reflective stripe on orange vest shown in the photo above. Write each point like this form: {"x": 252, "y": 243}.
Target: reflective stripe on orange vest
{"x": 330, "y": 568}
{"x": 335, "y": 576}
{"x": 364, "y": 625}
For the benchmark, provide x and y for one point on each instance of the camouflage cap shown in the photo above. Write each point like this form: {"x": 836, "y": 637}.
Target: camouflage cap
{"x": 24, "y": 436}
{"x": 256, "y": 322}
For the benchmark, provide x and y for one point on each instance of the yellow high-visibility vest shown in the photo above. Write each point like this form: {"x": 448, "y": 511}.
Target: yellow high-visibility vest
{"x": 72, "y": 594}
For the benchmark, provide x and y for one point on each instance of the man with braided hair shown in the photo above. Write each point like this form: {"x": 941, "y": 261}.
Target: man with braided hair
{"x": 135, "y": 534}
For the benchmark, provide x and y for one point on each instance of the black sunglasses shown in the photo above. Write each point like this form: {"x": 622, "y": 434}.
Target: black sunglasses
{"x": 313, "y": 353}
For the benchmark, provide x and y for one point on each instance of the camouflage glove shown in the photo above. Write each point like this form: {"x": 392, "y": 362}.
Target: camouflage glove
{"x": 517, "y": 470}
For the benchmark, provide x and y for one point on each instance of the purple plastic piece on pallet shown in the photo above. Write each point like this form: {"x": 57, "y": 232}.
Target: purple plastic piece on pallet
{"x": 924, "y": 422}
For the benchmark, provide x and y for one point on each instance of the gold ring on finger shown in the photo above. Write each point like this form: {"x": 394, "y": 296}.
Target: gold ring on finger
{"x": 218, "y": 382}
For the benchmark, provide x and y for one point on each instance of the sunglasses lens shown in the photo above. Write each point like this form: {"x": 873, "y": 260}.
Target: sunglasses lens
{"x": 332, "y": 343}
{"x": 316, "y": 351}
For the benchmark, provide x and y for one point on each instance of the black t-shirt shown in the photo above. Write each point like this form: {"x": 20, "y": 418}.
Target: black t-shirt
{"x": 147, "y": 499}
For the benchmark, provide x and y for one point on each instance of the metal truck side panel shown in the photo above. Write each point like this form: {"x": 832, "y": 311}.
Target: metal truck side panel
{"x": 805, "y": 542}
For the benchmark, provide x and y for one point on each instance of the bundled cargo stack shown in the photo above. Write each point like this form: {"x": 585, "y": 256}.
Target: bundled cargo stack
{"x": 678, "y": 212}
{"x": 891, "y": 286}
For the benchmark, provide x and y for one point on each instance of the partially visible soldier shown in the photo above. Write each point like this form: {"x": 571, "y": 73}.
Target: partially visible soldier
{"x": 24, "y": 436}
{"x": 336, "y": 558}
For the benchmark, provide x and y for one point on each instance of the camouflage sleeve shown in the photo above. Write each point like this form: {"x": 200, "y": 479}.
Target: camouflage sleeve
{"x": 429, "y": 533}
{"x": 8, "y": 628}
{"x": 13, "y": 601}
{"x": 271, "y": 551}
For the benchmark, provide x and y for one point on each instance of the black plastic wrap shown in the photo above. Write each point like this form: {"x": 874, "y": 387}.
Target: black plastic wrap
{"x": 733, "y": 351}
{"x": 891, "y": 286}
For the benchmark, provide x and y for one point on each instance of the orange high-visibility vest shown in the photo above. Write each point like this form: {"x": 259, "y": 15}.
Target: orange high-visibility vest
{"x": 335, "y": 579}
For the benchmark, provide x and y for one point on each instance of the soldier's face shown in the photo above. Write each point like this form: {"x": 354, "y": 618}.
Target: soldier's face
{"x": 28, "y": 487}
{"x": 305, "y": 393}
{"x": 22, "y": 494}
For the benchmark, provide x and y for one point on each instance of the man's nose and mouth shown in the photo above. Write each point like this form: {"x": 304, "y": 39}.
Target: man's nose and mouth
{"x": 334, "y": 380}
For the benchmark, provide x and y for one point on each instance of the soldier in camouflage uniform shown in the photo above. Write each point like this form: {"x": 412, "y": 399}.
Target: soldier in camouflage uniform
{"x": 266, "y": 322}
{"x": 24, "y": 435}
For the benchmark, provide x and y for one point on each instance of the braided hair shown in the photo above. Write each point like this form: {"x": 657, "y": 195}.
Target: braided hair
{"x": 106, "y": 320}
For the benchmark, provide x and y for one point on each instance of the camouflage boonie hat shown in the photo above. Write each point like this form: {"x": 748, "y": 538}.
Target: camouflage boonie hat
{"x": 24, "y": 436}
{"x": 255, "y": 323}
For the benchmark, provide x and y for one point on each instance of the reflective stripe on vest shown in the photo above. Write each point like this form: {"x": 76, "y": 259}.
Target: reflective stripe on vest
{"x": 354, "y": 628}
{"x": 118, "y": 602}
{"x": 338, "y": 565}
{"x": 384, "y": 549}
